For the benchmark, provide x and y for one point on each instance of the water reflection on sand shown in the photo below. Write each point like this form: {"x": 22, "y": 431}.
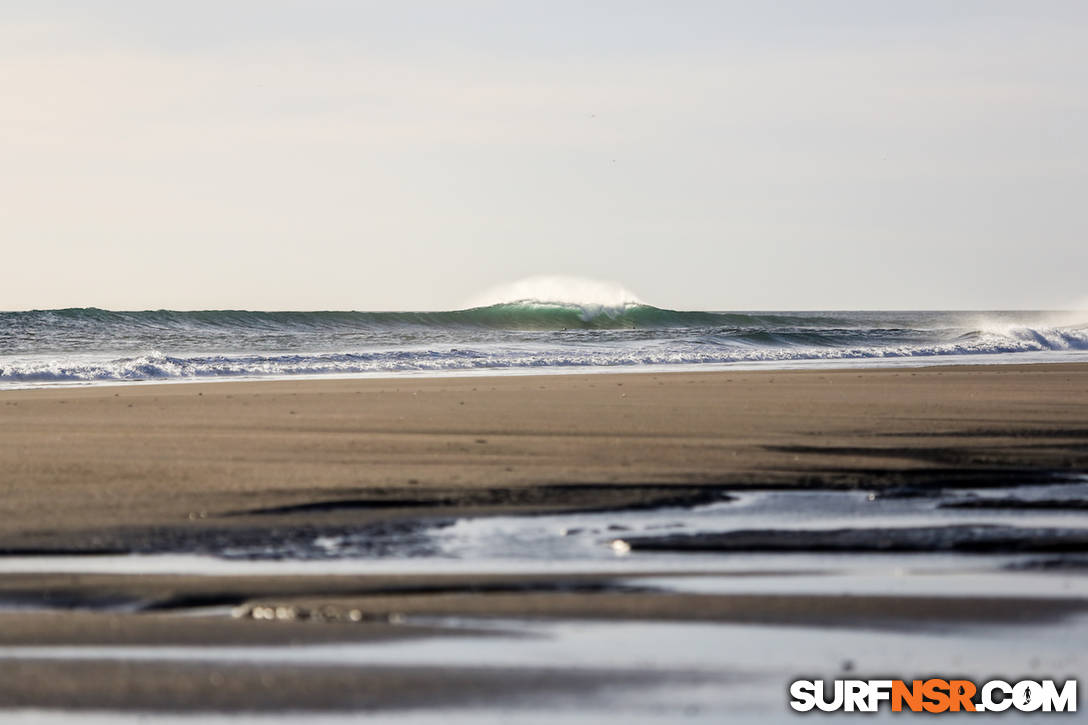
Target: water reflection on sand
{"x": 705, "y": 671}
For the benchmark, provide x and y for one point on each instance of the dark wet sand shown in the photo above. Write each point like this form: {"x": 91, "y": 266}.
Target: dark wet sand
{"x": 245, "y": 683}
{"x": 295, "y": 611}
{"x": 852, "y": 611}
{"x": 201, "y": 466}
{"x": 198, "y": 687}
{"x": 130, "y": 609}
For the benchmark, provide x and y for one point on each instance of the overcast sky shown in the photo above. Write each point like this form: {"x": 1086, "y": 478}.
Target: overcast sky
{"x": 407, "y": 155}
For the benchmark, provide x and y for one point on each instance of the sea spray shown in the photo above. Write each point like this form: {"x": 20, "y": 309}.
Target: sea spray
{"x": 592, "y": 297}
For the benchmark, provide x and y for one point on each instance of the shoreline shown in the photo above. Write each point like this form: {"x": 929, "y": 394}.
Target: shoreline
{"x": 846, "y": 364}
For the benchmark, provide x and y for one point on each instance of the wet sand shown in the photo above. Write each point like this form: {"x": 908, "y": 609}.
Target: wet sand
{"x": 162, "y": 466}
{"x": 202, "y": 467}
{"x": 197, "y": 687}
{"x": 265, "y": 654}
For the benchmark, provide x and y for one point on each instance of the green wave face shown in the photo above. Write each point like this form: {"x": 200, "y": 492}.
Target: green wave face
{"x": 524, "y": 315}
{"x": 550, "y": 316}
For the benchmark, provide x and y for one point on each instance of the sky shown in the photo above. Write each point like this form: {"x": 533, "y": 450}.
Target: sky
{"x": 705, "y": 155}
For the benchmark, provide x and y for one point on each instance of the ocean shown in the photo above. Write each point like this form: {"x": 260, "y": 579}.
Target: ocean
{"x": 94, "y": 346}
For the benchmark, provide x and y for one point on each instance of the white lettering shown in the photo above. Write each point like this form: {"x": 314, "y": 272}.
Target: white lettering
{"x": 821, "y": 697}
{"x": 988, "y": 701}
{"x": 1064, "y": 701}
{"x": 879, "y": 690}
{"x": 856, "y": 696}
{"x": 803, "y": 693}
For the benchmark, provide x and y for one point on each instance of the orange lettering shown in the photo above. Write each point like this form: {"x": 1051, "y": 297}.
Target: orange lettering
{"x": 911, "y": 695}
{"x": 961, "y": 692}
{"x": 936, "y": 691}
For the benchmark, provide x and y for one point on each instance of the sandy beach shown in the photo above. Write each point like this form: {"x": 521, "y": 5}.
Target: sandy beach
{"x": 198, "y": 468}
{"x": 85, "y": 468}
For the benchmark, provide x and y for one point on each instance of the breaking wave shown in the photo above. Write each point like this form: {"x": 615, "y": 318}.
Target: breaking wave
{"x": 720, "y": 347}
{"x": 538, "y": 324}
{"x": 525, "y": 314}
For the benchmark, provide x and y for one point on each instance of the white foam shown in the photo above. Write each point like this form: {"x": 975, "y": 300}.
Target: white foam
{"x": 555, "y": 289}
